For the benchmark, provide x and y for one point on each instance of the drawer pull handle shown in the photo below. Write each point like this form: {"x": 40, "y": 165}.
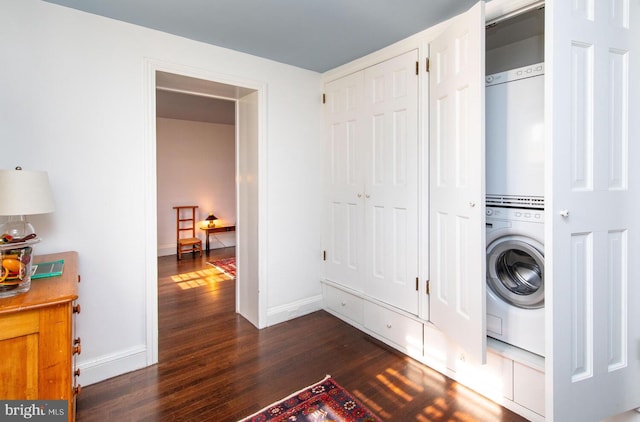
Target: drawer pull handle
{"x": 388, "y": 325}
{"x": 76, "y": 309}
{"x": 78, "y": 278}
{"x": 76, "y": 373}
{"x": 77, "y": 390}
{"x": 77, "y": 349}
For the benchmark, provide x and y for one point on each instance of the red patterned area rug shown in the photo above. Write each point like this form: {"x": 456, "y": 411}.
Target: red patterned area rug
{"x": 322, "y": 402}
{"x": 226, "y": 266}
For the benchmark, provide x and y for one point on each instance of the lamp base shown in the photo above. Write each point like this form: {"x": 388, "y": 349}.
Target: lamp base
{"x": 17, "y": 227}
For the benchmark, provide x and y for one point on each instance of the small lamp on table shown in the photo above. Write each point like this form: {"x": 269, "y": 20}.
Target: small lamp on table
{"x": 211, "y": 220}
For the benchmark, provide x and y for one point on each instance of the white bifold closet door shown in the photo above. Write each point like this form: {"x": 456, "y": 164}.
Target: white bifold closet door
{"x": 456, "y": 181}
{"x": 592, "y": 213}
{"x": 372, "y": 156}
{"x": 391, "y": 181}
{"x": 344, "y": 180}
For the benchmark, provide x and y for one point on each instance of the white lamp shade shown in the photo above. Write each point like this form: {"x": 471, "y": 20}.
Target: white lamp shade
{"x": 24, "y": 192}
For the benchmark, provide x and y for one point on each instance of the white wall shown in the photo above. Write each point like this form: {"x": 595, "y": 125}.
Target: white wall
{"x": 195, "y": 166}
{"x": 74, "y": 104}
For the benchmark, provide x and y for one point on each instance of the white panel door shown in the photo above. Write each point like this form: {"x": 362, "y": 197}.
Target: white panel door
{"x": 456, "y": 212}
{"x": 593, "y": 204}
{"x": 391, "y": 181}
{"x": 344, "y": 180}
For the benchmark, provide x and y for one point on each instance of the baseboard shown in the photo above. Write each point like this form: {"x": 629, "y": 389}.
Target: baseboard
{"x": 296, "y": 309}
{"x": 164, "y": 250}
{"x": 112, "y": 365}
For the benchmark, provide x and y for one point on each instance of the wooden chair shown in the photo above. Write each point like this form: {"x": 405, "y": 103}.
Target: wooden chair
{"x": 186, "y": 231}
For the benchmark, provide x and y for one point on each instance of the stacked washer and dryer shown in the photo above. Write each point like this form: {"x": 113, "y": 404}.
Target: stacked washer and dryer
{"x": 515, "y": 207}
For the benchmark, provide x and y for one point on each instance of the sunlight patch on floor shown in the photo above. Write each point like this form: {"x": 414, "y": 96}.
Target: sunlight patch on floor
{"x": 397, "y": 390}
{"x": 200, "y": 278}
{"x": 397, "y": 387}
{"x": 404, "y": 380}
{"x": 467, "y": 394}
{"x": 222, "y": 270}
{"x": 371, "y": 405}
{"x": 434, "y": 411}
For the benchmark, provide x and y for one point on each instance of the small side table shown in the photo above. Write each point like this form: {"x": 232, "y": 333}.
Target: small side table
{"x": 220, "y": 229}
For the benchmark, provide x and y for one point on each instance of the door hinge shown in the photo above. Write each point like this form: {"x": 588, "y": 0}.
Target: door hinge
{"x": 324, "y": 255}
{"x": 417, "y": 68}
{"x": 428, "y": 292}
{"x": 417, "y": 288}
{"x": 427, "y": 65}
{"x": 324, "y": 98}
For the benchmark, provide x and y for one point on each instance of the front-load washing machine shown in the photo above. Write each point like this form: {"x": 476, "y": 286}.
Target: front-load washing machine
{"x": 515, "y": 277}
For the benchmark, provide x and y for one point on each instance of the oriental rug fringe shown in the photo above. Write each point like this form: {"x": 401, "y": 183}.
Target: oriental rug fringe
{"x": 226, "y": 266}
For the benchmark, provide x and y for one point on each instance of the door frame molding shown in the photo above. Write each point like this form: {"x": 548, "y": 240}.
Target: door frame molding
{"x": 151, "y": 66}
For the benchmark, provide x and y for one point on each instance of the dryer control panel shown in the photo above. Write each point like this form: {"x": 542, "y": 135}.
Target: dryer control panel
{"x": 515, "y": 214}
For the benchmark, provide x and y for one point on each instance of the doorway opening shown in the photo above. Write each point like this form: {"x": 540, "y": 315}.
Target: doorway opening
{"x": 247, "y": 100}
{"x": 195, "y": 162}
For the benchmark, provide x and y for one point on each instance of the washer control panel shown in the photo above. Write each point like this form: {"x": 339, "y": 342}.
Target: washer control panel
{"x": 515, "y": 74}
{"x": 515, "y": 214}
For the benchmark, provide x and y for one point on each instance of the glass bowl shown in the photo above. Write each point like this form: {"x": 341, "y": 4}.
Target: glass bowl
{"x": 15, "y": 267}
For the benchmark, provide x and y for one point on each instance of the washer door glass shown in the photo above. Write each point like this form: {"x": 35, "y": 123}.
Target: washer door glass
{"x": 516, "y": 273}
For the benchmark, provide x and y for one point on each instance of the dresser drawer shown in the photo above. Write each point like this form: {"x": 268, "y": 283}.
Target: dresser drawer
{"x": 397, "y": 328}
{"x": 345, "y": 304}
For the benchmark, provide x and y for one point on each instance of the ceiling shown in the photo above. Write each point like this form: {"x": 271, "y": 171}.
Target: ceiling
{"x": 184, "y": 98}
{"x": 195, "y": 108}
{"x": 312, "y": 34}
{"x": 317, "y": 35}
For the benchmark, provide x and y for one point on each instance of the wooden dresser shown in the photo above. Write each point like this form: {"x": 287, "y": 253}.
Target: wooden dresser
{"x": 37, "y": 343}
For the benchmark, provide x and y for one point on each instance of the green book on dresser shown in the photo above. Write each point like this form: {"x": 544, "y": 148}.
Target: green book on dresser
{"x": 47, "y": 269}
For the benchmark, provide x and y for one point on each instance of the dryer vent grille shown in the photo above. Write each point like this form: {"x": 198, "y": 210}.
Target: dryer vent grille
{"x": 533, "y": 202}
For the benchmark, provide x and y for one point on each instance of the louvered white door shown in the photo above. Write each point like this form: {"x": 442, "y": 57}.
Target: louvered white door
{"x": 391, "y": 181}
{"x": 593, "y": 208}
{"x": 456, "y": 214}
{"x": 345, "y": 188}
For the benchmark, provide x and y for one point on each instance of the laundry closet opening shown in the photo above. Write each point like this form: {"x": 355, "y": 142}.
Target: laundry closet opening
{"x": 514, "y": 157}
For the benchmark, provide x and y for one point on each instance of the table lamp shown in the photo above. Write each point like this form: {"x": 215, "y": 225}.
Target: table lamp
{"x": 22, "y": 193}
{"x": 211, "y": 219}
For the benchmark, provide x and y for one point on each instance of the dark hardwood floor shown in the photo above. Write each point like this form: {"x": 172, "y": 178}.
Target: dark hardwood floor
{"x": 215, "y": 366}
